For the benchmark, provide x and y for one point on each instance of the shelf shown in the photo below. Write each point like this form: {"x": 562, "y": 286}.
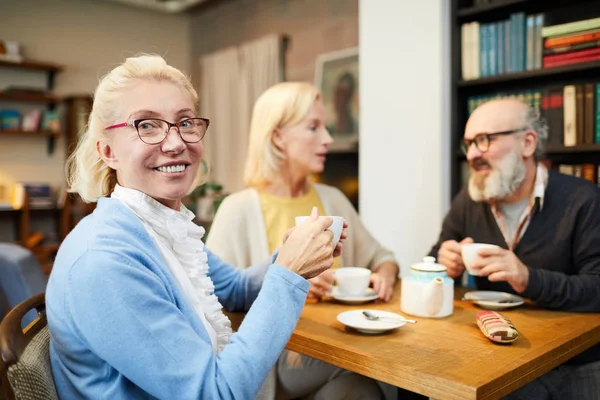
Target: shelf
{"x": 478, "y": 10}
{"x": 538, "y": 75}
{"x": 29, "y": 97}
{"x": 23, "y": 133}
{"x": 583, "y": 148}
{"x": 502, "y": 9}
{"x": 34, "y": 65}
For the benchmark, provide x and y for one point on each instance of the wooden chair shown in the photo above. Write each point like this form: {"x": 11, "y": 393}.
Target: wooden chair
{"x": 25, "y": 369}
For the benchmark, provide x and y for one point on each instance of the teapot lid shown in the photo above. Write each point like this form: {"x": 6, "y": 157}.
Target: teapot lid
{"x": 428, "y": 265}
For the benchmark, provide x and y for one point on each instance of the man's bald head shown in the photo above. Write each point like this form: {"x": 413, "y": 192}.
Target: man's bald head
{"x": 504, "y": 115}
{"x": 496, "y": 116}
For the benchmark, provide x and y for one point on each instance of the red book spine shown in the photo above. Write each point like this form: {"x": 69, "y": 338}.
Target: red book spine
{"x": 573, "y": 54}
{"x": 569, "y": 61}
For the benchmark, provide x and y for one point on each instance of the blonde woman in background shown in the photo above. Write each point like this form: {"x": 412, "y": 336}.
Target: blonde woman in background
{"x": 288, "y": 143}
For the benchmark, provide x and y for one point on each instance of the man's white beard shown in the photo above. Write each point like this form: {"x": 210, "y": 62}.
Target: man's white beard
{"x": 504, "y": 178}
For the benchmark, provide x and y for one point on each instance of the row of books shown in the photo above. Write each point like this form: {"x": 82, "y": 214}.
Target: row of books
{"x": 33, "y": 121}
{"x": 575, "y": 109}
{"x": 590, "y": 172}
{"x": 571, "y": 43}
{"x": 39, "y": 195}
{"x": 572, "y": 111}
{"x": 523, "y": 43}
{"x": 531, "y": 97}
{"x": 496, "y": 48}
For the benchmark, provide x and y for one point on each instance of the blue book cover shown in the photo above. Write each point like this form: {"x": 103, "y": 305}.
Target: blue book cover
{"x": 493, "y": 49}
{"x": 513, "y": 44}
{"x": 521, "y": 42}
{"x": 507, "y": 37}
{"x": 500, "y": 47}
{"x": 483, "y": 59}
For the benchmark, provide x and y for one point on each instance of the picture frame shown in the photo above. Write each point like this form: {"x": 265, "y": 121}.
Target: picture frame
{"x": 337, "y": 77}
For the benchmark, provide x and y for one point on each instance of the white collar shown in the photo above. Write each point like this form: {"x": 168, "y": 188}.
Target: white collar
{"x": 180, "y": 244}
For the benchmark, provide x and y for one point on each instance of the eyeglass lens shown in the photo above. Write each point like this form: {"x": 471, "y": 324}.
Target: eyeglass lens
{"x": 482, "y": 143}
{"x": 153, "y": 131}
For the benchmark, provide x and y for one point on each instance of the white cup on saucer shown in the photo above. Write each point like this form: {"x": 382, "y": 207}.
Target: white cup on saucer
{"x": 469, "y": 254}
{"x": 336, "y": 227}
{"x": 352, "y": 281}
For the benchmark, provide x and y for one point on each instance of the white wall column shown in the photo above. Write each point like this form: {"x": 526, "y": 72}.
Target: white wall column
{"x": 404, "y": 122}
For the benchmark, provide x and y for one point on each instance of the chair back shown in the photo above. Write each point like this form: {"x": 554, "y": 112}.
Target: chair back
{"x": 25, "y": 368}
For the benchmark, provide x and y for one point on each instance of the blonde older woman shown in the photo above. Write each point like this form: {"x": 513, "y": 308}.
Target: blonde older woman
{"x": 288, "y": 143}
{"x": 132, "y": 309}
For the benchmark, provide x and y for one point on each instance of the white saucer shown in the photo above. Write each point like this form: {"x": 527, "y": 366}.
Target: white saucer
{"x": 491, "y": 300}
{"x": 370, "y": 295}
{"x": 355, "y": 319}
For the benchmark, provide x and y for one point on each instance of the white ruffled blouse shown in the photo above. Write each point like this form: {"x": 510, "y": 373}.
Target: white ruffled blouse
{"x": 179, "y": 241}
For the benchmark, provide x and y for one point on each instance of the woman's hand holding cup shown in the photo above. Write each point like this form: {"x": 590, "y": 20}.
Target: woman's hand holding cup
{"x": 309, "y": 248}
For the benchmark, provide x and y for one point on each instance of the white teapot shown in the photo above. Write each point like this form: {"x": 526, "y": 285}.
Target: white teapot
{"x": 427, "y": 291}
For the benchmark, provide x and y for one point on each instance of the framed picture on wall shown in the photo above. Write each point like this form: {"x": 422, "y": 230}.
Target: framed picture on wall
{"x": 336, "y": 74}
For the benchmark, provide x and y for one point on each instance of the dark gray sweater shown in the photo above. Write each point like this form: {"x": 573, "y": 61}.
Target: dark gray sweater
{"x": 561, "y": 246}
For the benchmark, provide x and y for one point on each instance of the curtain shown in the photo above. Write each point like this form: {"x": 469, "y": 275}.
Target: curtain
{"x": 231, "y": 81}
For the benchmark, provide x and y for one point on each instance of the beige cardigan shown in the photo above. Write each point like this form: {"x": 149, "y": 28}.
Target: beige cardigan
{"x": 238, "y": 234}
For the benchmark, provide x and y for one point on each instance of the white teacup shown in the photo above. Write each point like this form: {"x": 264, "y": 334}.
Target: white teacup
{"x": 352, "y": 281}
{"x": 336, "y": 227}
{"x": 469, "y": 254}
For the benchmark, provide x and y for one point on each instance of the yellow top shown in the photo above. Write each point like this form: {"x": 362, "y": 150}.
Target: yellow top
{"x": 280, "y": 214}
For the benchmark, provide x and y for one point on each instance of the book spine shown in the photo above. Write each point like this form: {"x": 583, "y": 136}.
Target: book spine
{"x": 556, "y": 116}
{"x": 579, "y": 113}
{"x": 507, "y": 46}
{"x": 589, "y": 115}
{"x": 464, "y": 51}
{"x": 573, "y": 54}
{"x": 577, "y": 26}
{"x": 513, "y": 44}
{"x": 530, "y": 43}
{"x": 500, "y": 47}
{"x": 522, "y": 42}
{"x": 539, "y": 23}
{"x": 475, "y": 50}
{"x": 597, "y": 113}
{"x": 589, "y": 172}
{"x": 571, "y": 39}
{"x": 572, "y": 47}
{"x": 570, "y": 61}
{"x": 597, "y": 139}
{"x": 493, "y": 49}
{"x": 570, "y": 116}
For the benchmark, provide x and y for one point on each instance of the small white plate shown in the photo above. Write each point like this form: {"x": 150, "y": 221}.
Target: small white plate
{"x": 370, "y": 295}
{"x": 355, "y": 319}
{"x": 491, "y": 300}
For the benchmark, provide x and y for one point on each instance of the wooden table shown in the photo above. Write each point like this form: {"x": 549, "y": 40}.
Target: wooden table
{"x": 447, "y": 358}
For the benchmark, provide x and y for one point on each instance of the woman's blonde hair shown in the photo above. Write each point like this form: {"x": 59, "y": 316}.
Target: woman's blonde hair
{"x": 284, "y": 104}
{"x": 87, "y": 174}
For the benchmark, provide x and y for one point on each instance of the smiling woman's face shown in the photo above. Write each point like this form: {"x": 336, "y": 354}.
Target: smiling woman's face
{"x": 164, "y": 171}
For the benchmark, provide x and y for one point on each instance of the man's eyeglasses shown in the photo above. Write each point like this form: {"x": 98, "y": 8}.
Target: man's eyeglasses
{"x": 482, "y": 140}
{"x": 155, "y": 130}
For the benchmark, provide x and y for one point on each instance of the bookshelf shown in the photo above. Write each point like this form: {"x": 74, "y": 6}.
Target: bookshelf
{"x": 32, "y": 97}
{"x": 519, "y": 80}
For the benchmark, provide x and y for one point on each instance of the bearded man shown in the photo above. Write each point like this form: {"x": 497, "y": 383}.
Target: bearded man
{"x": 547, "y": 227}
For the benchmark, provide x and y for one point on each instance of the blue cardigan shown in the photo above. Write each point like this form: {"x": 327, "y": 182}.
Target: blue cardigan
{"x": 121, "y": 328}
